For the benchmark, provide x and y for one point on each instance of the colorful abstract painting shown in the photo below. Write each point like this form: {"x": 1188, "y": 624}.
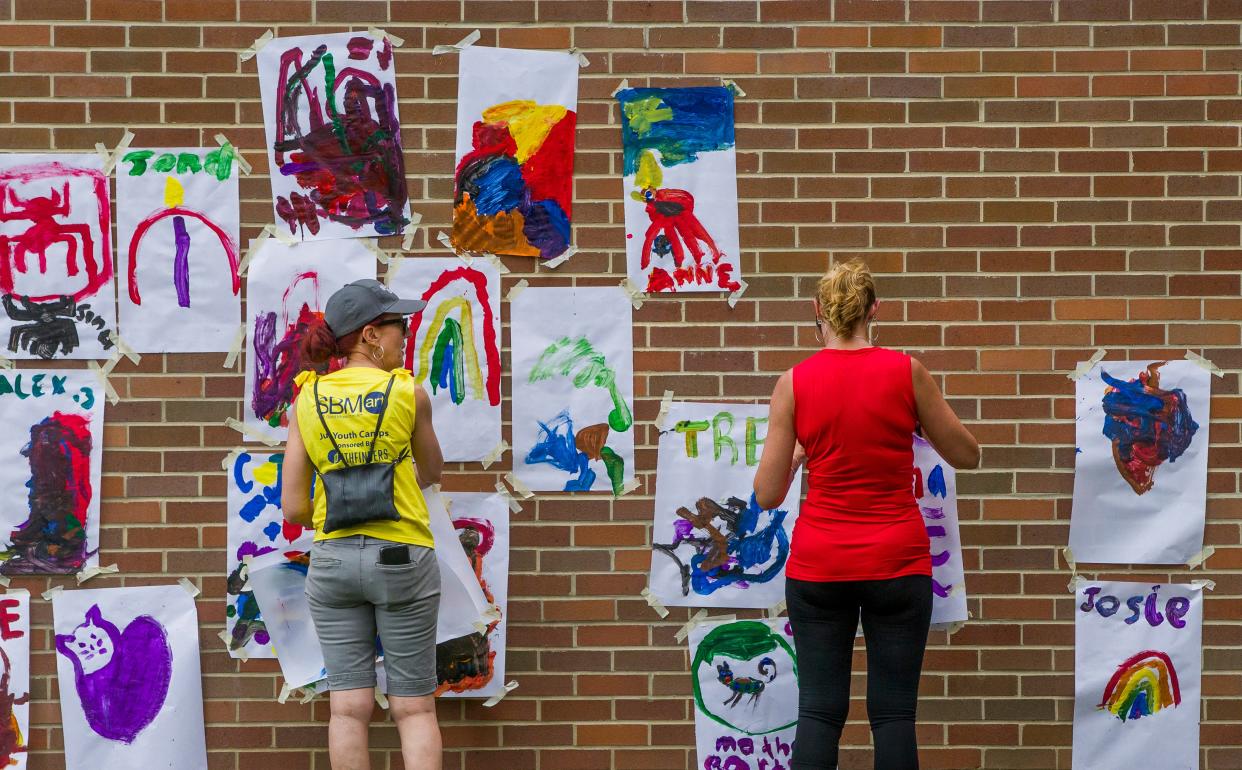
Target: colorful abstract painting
{"x": 1140, "y": 470}
{"x": 49, "y": 523}
{"x": 473, "y": 665}
{"x": 56, "y": 286}
{"x": 935, "y": 490}
{"x": 513, "y": 178}
{"x": 334, "y": 135}
{"x": 14, "y": 677}
{"x": 712, "y": 544}
{"x": 286, "y": 287}
{"x": 573, "y": 386}
{"x": 680, "y": 171}
{"x": 454, "y": 349}
{"x": 256, "y": 527}
{"x": 1137, "y": 671}
{"x": 177, "y": 232}
{"x": 131, "y": 691}
{"x": 745, "y": 679}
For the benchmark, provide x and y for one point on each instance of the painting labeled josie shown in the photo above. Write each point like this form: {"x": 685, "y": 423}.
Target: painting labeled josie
{"x": 513, "y": 183}
{"x": 1140, "y": 474}
{"x": 333, "y": 135}
{"x": 680, "y": 169}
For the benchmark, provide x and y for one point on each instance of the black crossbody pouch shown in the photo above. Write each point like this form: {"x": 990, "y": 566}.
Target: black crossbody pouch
{"x": 359, "y": 494}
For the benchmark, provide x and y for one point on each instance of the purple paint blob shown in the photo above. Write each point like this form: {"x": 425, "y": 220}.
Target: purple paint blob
{"x": 181, "y": 261}
{"x": 940, "y": 590}
{"x": 941, "y": 559}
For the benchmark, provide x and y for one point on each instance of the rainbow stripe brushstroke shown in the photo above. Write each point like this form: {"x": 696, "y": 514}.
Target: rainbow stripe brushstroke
{"x": 449, "y": 355}
{"x": 1141, "y": 686}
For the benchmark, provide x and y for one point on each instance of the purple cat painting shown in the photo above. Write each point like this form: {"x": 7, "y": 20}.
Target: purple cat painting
{"x": 122, "y": 677}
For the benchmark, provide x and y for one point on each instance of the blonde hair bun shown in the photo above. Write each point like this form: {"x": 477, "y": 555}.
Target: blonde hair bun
{"x": 846, "y": 294}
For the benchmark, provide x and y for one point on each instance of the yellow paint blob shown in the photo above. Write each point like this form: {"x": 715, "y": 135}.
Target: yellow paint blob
{"x": 649, "y": 176}
{"x": 267, "y": 473}
{"x": 529, "y": 123}
{"x": 174, "y": 193}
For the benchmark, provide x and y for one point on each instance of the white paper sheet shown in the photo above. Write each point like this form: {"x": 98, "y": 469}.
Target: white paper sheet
{"x": 482, "y": 524}
{"x": 1112, "y": 521}
{"x": 56, "y": 257}
{"x": 454, "y": 350}
{"x": 49, "y": 479}
{"x": 705, "y": 497}
{"x": 1137, "y": 670}
{"x": 516, "y": 115}
{"x": 680, "y": 189}
{"x": 744, "y": 725}
{"x": 131, "y": 691}
{"x": 178, "y": 234}
{"x": 935, "y": 487}
{"x": 334, "y": 148}
{"x": 573, "y": 389}
{"x": 462, "y": 603}
{"x": 15, "y": 678}
{"x": 286, "y": 285}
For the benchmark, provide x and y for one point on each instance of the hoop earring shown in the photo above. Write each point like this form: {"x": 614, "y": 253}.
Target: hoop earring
{"x": 380, "y": 357}
{"x": 872, "y": 334}
{"x": 819, "y": 331}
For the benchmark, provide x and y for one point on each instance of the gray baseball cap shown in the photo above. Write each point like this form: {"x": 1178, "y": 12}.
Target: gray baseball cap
{"x": 357, "y": 304}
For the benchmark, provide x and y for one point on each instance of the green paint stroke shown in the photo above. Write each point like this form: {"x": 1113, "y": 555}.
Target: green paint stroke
{"x": 753, "y": 442}
{"x": 615, "y": 466}
{"x": 741, "y": 640}
{"x": 691, "y": 429}
{"x": 720, "y": 437}
{"x": 450, "y": 336}
{"x": 565, "y": 357}
{"x": 641, "y": 113}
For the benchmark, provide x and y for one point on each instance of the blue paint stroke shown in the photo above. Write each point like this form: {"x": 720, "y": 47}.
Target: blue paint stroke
{"x": 701, "y": 121}
{"x": 1139, "y": 414}
{"x": 936, "y": 485}
{"x": 556, "y": 447}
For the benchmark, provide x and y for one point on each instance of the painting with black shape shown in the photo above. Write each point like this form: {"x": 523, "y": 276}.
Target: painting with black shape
{"x": 177, "y": 245}
{"x": 49, "y": 523}
{"x": 14, "y": 678}
{"x": 712, "y": 545}
{"x": 935, "y": 491}
{"x": 56, "y": 268}
{"x": 127, "y": 662}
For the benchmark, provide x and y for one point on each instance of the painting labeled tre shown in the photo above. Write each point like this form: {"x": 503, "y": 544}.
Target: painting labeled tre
{"x": 177, "y": 232}
{"x": 56, "y": 287}
{"x": 334, "y": 136}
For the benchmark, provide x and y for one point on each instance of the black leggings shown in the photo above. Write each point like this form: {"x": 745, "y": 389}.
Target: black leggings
{"x": 895, "y": 617}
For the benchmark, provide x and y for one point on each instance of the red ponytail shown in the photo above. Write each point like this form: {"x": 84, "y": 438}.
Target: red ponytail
{"x": 319, "y": 345}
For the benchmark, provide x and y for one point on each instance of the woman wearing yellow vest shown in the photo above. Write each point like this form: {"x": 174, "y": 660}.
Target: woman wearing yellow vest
{"x": 372, "y": 566}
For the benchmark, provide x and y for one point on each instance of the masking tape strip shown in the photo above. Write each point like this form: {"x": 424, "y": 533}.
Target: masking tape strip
{"x": 240, "y": 427}
{"x": 372, "y": 245}
{"x": 479, "y": 627}
{"x": 447, "y": 243}
{"x": 633, "y": 292}
{"x": 776, "y": 609}
{"x": 495, "y": 454}
{"x": 189, "y": 586}
{"x": 522, "y": 490}
{"x": 623, "y": 85}
{"x": 1077, "y": 582}
{"x": 1068, "y": 555}
{"x": 694, "y": 620}
{"x": 583, "y": 61}
{"x": 556, "y": 262}
{"x": 229, "y": 459}
{"x": 253, "y": 49}
{"x": 666, "y": 403}
{"x": 17, "y": 591}
{"x": 51, "y": 593}
{"x": 407, "y": 242}
{"x": 110, "y": 158}
{"x": 279, "y": 234}
{"x": 737, "y": 90}
{"x": 630, "y": 486}
{"x": 1201, "y": 556}
{"x": 495, "y": 262}
{"x": 309, "y": 693}
{"x": 254, "y": 248}
{"x": 1202, "y": 362}
{"x": 517, "y": 289}
{"x": 6, "y": 363}
{"x": 4, "y": 581}
{"x": 736, "y": 295}
{"x": 285, "y": 692}
{"x": 235, "y": 349}
{"x": 102, "y": 375}
{"x": 242, "y": 163}
{"x": 1209, "y": 585}
{"x": 125, "y": 350}
{"x": 954, "y": 627}
{"x": 492, "y": 613}
{"x": 498, "y": 697}
{"x": 394, "y": 267}
{"x": 654, "y": 602}
{"x": 238, "y": 654}
{"x": 465, "y": 42}
{"x": 381, "y": 699}
{"x": 90, "y": 572}
{"x": 510, "y": 500}
{"x": 1083, "y": 367}
{"x": 380, "y": 34}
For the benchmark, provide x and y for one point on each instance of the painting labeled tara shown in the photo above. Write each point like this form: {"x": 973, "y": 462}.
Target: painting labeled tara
{"x": 127, "y": 663}
{"x": 53, "y": 449}
{"x": 1137, "y": 672}
{"x": 454, "y": 349}
{"x": 935, "y": 490}
{"x": 680, "y": 178}
{"x": 712, "y": 544}
{"x": 56, "y": 286}
{"x": 1140, "y": 469}
{"x": 573, "y": 386}
{"x": 14, "y": 677}
{"x": 513, "y": 179}
{"x": 286, "y": 287}
{"x": 745, "y": 679}
{"x": 177, "y": 232}
{"x": 334, "y": 136}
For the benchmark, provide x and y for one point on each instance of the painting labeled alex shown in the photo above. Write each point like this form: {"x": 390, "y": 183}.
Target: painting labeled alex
{"x": 454, "y": 349}
{"x": 14, "y": 678}
{"x": 712, "y": 544}
{"x": 1137, "y": 670}
{"x": 333, "y": 136}
{"x": 513, "y": 183}
{"x": 935, "y": 490}
{"x": 680, "y": 179}
{"x": 473, "y": 665}
{"x": 745, "y": 679}
{"x": 573, "y": 386}
{"x": 177, "y": 232}
{"x": 1140, "y": 469}
{"x": 127, "y": 665}
{"x": 286, "y": 288}
{"x": 56, "y": 286}
{"x": 53, "y": 449}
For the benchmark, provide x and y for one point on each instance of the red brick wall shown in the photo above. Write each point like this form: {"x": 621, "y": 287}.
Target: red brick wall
{"x": 1031, "y": 180}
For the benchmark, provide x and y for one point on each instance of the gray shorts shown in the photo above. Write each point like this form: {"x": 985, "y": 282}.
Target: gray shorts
{"x": 353, "y": 597}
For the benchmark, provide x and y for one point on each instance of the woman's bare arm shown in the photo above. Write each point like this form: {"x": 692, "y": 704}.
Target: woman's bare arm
{"x": 782, "y": 455}
{"x": 428, "y": 460}
{"x": 940, "y": 425}
{"x": 296, "y": 473}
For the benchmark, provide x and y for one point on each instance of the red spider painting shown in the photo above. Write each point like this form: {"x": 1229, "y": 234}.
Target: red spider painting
{"x": 674, "y": 229}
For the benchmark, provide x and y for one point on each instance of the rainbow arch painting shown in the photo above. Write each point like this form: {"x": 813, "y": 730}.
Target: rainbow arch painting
{"x": 1142, "y": 685}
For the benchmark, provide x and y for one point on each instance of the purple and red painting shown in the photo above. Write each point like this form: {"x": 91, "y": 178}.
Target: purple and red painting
{"x": 1146, "y": 424}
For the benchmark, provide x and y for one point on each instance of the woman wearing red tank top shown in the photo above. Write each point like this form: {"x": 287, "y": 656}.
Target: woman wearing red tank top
{"x": 859, "y": 547}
